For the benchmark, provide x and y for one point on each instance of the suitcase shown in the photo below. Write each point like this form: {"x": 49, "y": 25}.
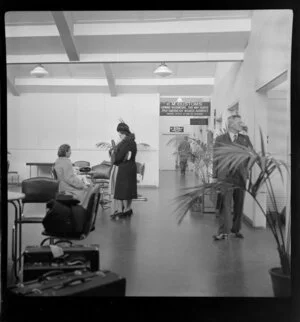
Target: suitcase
{"x": 77, "y": 283}
{"x": 39, "y": 260}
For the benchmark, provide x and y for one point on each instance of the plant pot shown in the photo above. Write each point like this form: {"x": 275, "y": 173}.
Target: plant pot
{"x": 197, "y": 206}
{"x": 210, "y": 200}
{"x": 281, "y": 283}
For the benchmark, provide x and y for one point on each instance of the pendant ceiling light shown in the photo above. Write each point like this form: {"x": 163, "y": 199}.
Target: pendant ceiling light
{"x": 39, "y": 71}
{"x": 163, "y": 70}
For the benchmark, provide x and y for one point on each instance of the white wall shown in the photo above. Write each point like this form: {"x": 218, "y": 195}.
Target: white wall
{"x": 277, "y": 144}
{"x": 266, "y": 56}
{"x": 39, "y": 123}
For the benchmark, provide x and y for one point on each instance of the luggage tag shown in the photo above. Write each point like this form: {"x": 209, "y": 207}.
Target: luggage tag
{"x": 56, "y": 251}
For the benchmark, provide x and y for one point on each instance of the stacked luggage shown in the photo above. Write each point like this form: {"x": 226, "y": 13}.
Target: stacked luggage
{"x": 39, "y": 260}
{"x": 77, "y": 283}
{"x": 66, "y": 269}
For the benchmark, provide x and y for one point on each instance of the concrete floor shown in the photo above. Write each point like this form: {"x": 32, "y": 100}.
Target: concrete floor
{"x": 160, "y": 258}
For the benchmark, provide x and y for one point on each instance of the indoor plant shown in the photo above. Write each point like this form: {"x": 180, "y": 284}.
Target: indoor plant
{"x": 201, "y": 157}
{"x": 108, "y": 146}
{"x": 261, "y": 166}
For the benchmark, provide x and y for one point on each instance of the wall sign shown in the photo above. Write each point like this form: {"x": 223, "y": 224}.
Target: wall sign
{"x": 176, "y": 129}
{"x": 185, "y": 109}
{"x": 198, "y": 121}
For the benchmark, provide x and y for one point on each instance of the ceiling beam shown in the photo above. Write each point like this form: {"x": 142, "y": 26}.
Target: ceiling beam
{"x": 102, "y": 82}
{"x": 110, "y": 79}
{"x": 166, "y": 27}
{"x": 64, "y": 27}
{"x": 11, "y": 87}
{"x": 165, "y": 81}
{"x": 282, "y": 77}
{"x": 133, "y": 28}
{"x": 31, "y": 31}
{"x": 129, "y": 58}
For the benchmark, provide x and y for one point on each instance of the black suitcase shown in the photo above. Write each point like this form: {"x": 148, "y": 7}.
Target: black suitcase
{"x": 39, "y": 260}
{"x": 77, "y": 283}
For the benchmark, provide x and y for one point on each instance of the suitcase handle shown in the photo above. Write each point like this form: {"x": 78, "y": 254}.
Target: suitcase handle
{"x": 60, "y": 241}
{"x": 43, "y": 241}
{"x": 52, "y": 273}
{"x": 79, "y": 278}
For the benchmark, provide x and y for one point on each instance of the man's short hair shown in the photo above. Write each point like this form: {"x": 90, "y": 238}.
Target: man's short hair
{"x": 232, "y": 118}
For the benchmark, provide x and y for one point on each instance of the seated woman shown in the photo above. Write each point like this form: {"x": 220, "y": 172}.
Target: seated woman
{"x": 69, "y": 182}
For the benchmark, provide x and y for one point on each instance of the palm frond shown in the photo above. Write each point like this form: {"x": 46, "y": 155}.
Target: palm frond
{"x": 262, "y": 143}
{"x": 260, "y": 166}
{"x": 173, "y": 141}
{"x": 190, "y": 195}
{"x": 231, "y": 156}
{"x": 142, "y": 145}
{"x": 279, "y": 164}
{"x": 103, "y": 145}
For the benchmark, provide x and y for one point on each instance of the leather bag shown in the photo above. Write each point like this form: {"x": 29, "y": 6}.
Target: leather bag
{"x": 64, "y": 216}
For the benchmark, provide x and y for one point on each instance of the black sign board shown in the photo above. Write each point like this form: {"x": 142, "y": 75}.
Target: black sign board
{"x": 176, "y": 129}
{"x": 185, "y": 109}
{"x": 198, "y": 121}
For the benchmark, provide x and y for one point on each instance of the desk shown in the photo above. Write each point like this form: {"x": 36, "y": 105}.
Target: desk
{"x": 15, "y": 198}
{"x": 39, "y": 164}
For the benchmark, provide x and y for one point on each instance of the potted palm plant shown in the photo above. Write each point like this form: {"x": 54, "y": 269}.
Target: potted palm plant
{"x": 201, "y": 158}
{"x": 262, "y": 166}
{"x": 108, "y": 146}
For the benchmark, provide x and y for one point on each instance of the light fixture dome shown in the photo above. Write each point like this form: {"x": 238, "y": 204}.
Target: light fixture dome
{"x": 163, "y": 70}
{"x": 39, "y": 71}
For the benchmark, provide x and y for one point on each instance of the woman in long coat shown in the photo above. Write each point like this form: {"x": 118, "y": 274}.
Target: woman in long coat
{"x": 125, "y": 185}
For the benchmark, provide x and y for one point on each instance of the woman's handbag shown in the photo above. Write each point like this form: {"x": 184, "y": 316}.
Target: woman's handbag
{"x": 85, "y": 169}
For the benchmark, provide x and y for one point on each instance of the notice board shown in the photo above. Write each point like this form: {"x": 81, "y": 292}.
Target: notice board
{"x": 184, "y": 109}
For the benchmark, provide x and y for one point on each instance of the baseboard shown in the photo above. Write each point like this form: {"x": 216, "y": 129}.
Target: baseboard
{"x": 146, "y": 186}
{"x": 249, "y": 222}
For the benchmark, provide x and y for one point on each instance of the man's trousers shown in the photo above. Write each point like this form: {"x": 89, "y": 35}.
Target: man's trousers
{"x": 228, "y": 196}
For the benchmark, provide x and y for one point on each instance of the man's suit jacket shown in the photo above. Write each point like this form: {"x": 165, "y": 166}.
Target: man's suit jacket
{"x": 240, "y": 175}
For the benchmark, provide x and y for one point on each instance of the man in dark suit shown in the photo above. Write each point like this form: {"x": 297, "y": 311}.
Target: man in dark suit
{"x": 236, "y": 178}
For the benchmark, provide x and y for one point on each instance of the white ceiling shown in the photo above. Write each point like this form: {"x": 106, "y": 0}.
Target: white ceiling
{"x": 116, "y": 52}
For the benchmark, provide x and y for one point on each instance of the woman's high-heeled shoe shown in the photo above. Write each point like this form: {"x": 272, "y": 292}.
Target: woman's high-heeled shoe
{"x": 128, "y": 213}
{"x": 116, "y": 215}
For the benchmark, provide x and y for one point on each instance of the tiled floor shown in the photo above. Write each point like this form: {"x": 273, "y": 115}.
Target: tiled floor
{"x": 160, "y": 258}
